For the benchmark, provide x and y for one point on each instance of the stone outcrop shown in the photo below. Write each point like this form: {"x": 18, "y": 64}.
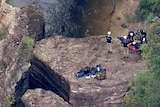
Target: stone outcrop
{"x": 35, "y": 22}
{"x": 16, "y": 21}
{"x": 54, "y": 64}
{"x": 7, "y": 58}
{"x": 63, "y": 57}
{"x": 42, "y": 98}
{"x": 41, "y": 76}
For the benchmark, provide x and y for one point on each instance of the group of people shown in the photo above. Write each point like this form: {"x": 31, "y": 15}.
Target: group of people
{"x": 132, "y": 41}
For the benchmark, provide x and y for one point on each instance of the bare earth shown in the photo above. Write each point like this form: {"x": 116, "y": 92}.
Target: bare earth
{"x": 66, "y": 56}
{"x": 122, "y": 8}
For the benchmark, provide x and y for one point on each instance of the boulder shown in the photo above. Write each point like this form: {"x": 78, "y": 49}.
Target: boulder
{"x": 42, "y": 98}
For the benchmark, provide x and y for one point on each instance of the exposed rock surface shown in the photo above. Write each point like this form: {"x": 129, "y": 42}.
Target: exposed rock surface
{"x": 7, "y": 58}
{"x": 35, "y": 22}
{"x": 16, "y": 22}
{"x": 61, "y": 16}
{"x": 65, "y": 56}
{"x": 42, "y": 98}
{"x": 55, "y": 62}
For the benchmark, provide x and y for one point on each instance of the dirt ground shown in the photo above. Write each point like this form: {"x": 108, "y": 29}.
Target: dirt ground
{"x": 66, "y": 56}
{"x": 76, "y": 54}
{"x": 124, "y": 7}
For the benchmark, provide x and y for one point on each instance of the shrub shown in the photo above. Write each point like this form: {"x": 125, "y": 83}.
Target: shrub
{"x": 26, "y": 48}
{"x": 145, "y": 49}
{"x": 10, "y": 100}
{"x": 145, "y": 90}
{"x": 149, "y": 18}
{"x": 146, "y": 7}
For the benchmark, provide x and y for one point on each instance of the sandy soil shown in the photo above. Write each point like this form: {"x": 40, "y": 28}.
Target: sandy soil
{"x": 68, "y": 55}
{"x": 123, "y": 7}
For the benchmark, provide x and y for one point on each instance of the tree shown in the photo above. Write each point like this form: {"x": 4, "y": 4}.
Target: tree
{"x": 145, "y": 90}
{"x": 147, "y": 7}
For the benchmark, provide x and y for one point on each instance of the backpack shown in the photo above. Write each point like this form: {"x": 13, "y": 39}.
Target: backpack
{"x": 101, "y": 75}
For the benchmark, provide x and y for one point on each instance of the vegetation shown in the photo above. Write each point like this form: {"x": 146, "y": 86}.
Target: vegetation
{"x": 145, "y": 90}
{"x": 2, "y": 35}
{"x": 10, "y": 100}
{"x": 3, "y": 32}
{"x": 146, "y": 8}
{"x": 27, "y": 45}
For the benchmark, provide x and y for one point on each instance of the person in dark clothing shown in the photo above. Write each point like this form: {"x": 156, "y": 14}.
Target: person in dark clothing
{"x": 131, "y": 36}
{"x": 138, "y": 35}
{"x": 136, "y": 45}
{"x": 125, "y": 43}
{"x": 109, "y": 41}
{"x": 143, "y": 36}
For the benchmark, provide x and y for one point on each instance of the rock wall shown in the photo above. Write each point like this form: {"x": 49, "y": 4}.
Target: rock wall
{"x": 47, "y": 79}
{"x": 61, "y": 16}
{"x": 54, "y": 63}
{"x": 16, "y": 21}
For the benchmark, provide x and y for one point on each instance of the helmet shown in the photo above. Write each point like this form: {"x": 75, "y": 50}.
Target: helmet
{"x": 109, "y": 32}
{"x": 134, "y": 43}
{"x": 125, "y": 37}
{"x": 131, "y": 34}
{"x": 141, "y": 31}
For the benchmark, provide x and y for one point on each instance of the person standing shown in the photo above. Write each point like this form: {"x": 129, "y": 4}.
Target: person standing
{"x": 109, "y": 41}
{"x": 144, "y": 36}
{"x": 125, "y": 43}
{"x": 131, "y": 35}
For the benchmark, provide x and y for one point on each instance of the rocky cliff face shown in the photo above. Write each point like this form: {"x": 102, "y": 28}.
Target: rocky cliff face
{"x": 41, "y": 76}
{"x": 63, "y": 57}
{"x": 54, "y": 63}
{"x": 16, "y": 22}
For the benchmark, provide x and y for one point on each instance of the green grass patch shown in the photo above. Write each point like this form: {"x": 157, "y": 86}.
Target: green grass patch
{"x": 3, "y": 32}
{"x": 10, "y": 100}
{"x": 26, "y": 48}
{"x": 2, "y": 35}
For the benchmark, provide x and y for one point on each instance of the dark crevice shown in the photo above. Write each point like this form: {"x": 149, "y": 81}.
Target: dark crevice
{"x": 41, "y": 76}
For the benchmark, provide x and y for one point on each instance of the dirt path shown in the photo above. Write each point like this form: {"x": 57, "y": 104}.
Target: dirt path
{"x": 122, "y": 8}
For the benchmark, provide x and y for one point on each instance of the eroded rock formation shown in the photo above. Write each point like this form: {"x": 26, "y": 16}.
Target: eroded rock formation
{"x": 16, "y": 22}
{"x": 54, "y": 63}
{"x": 65, "y": 56}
